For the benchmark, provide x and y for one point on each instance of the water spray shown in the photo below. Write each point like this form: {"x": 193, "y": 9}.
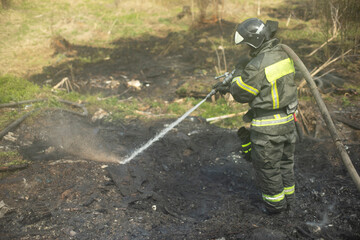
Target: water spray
{"x": 228, "y": 78}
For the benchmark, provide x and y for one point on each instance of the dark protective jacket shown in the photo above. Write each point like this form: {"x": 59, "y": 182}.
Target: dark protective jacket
{"x": 267, "y": 84}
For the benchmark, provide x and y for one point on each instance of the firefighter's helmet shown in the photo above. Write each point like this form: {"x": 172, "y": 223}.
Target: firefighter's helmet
{"x": 254, "y": 32}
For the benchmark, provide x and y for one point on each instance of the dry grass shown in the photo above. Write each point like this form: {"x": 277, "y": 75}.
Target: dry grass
{"x": 27, "y": 28}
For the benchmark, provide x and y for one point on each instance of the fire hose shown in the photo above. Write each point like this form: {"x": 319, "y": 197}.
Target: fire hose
{"x": 326, "y": 115}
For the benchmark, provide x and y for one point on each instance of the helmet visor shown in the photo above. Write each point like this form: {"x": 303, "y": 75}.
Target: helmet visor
{"x": 238, "y": 38}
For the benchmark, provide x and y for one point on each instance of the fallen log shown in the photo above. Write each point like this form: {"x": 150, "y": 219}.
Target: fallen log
{"x": 16, "y": 123}
{"x": 225, "y": 117}
{"x": 21, "y": 119}
{"x": 13, "y": 167}
{"x": 345, "y": 92}
{"x": 352, "y": 124}
{"x": 85, "y": 112}
{"x": 15, "y": 104}
{"x": 150, "y": 114}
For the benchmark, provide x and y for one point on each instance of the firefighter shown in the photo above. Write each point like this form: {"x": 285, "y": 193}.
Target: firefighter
{"x": 267, "y": 83}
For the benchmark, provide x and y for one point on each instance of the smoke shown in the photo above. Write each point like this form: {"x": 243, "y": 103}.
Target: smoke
{"x": 75, "y": 136}
{"x": 325, "y": 218}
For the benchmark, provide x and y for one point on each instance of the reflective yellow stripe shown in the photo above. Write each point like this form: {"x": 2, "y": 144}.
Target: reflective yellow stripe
{"x": 275, "y": 95}
{"x": 276, "y": 71}
{"x": 279, "y": 69}
{"x": 289, "y": 190}
{"x": 244, "y": 86}
{"x": 274, "y": 198}
{"x": 273, "y": 121}
{"x": 248, "y": 150}
{"x": 245, "y": 145}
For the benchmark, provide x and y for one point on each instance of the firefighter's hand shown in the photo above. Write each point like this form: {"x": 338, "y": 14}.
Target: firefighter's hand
{"x": 244, "y": 135}
{"x": 247, "y": 156}
{"x": 246, "y": 151}
{"x": 221, "y": 88}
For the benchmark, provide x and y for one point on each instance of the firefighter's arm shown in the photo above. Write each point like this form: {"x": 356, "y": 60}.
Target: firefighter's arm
{"x": 245, "y": 85}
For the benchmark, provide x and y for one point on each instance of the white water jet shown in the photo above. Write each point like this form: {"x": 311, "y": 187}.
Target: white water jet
{"x": 162, "y": 133}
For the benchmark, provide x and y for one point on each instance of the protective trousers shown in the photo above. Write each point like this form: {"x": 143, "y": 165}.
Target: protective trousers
{"x": 273, "y": 160}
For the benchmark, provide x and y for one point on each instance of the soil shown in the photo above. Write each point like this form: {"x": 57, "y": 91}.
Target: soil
{"x": 191, "y": 184}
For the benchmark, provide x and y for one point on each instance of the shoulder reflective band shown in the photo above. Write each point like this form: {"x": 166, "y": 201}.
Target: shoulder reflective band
{"x": 289, "y": 190}
{"x": 276, "y": 71}
{"x": 244, "y": 86}
{"x": 279, "y": 69}
{"x": 273, "y": 121}
{"x": 274, "y": 198}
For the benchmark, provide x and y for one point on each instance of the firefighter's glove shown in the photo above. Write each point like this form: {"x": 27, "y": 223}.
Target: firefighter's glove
{"x": 244, "y": 135}
{"x": 222, "y": 88}
{"x": 248, "y": 117}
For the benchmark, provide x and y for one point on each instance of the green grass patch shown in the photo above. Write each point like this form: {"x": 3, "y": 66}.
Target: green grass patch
{"x": 329, "y": 98}
{"x": 166, "y": 21}
{"x": 14, "y": 89}
{"x": 301, "y": 30}
{"x": 345, "y": 101}
{"x": 11, "y": 158}
{"x": 6, "y": 117}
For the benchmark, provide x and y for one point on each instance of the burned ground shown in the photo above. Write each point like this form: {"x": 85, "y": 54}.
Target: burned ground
{"x": 191, "y": 184}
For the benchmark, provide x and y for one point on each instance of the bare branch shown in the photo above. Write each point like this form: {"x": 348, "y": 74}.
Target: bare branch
{"x": 215, "y": 119}
{"x": 322, "y": 45}
{"x": 326, "y": 64}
